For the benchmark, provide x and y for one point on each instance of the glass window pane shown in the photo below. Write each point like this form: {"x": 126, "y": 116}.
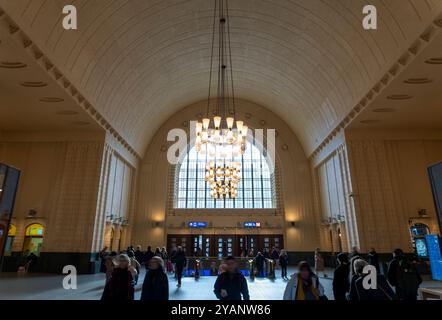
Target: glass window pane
{"x": 255, "y": 189}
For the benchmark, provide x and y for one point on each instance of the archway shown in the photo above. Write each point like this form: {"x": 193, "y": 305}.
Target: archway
{"x": 34, "y": 235}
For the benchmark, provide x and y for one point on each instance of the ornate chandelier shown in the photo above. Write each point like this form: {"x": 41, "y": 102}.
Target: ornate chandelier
{"x": 222, "y": 138}
{"x": 223, "y": 179}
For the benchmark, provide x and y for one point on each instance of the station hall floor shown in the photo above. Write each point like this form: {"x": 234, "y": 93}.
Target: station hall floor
{"x": 90, "y": 287}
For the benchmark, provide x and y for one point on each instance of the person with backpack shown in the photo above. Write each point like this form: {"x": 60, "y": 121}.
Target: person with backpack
{"x": 403, "y": 276}
{"x": 231, "y": 284}
{"x": 358, "y": 290}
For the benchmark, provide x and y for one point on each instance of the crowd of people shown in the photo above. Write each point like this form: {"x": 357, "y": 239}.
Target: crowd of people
{"x": 400, "y": 281}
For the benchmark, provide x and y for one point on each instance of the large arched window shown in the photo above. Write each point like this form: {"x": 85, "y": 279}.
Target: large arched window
{"x": 255, "y": 189}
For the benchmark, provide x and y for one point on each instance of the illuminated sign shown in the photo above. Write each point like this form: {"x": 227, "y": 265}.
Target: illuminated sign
{"x": 252, "y": 224}
{"x": 197, "y": 224}
{"x": 435, "y": 256}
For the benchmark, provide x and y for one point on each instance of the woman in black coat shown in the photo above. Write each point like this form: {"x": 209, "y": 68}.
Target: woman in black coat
{"x": 156, "y": 283}
{"x": 341, "y": 283}
{"x": 120, "y": 286}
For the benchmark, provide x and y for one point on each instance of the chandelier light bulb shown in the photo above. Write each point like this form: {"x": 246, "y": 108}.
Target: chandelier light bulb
{"x": 217, "y": 121}
{"x": 239, "y": 125}
{"x": 206, "y": 123}
{"x": 198, "y": 127}
{"x": 230, "y": 122}
{"x": 244, "y": 131}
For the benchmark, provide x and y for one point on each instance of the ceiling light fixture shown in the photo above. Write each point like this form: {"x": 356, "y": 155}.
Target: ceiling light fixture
{"x": 51, "y": 99}
{"x": 399, "y": 97}
{"x": 221, "y": 139}
{"x": 418, "y": 81}
{"x": 33, "y": 84}
{"x": 384, "y": 110}
{"x": 12, "y": 65}
{"x": 437, "y": 60}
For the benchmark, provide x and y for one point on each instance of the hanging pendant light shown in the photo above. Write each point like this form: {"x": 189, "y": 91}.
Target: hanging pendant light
{"x": 221, "y": 138}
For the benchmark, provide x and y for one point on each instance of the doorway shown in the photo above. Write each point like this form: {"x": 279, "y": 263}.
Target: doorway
{"x": 34, "y": 235}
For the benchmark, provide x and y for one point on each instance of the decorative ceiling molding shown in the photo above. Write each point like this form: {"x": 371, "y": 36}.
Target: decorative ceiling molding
{"x": 394, "y": 72}
{"x": 47, "y": 66}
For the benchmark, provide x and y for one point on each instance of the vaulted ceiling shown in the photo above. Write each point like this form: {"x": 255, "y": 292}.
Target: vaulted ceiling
{"x": 139, "y": 61}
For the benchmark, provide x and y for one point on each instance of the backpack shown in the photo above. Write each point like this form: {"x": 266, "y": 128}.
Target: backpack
{"x": 407, "y": 277}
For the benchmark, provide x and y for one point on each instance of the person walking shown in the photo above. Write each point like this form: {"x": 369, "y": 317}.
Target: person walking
{"x": 373, "y": 259}
{"x": 402, "y": 274}
{"x": 341, "y": 283}
{"x": 135, "y": 264}
{"x": 109, "y": 264}
{"x": 259, "y": 262}
{"x": 319, "y": 263}
{"x": 139, "y": 254}
{"x": 358, "y": 291}
{"x": 353, "y": 257}
{"x": 120, "y": 286}
{"x": 103, "y": 255}
{"x": 284, "y": 262}
{"x": 147, "y": 256}
{"x": 231, "y": 285}
{"x": 156, "y": 283}
{"x": 180, "y": 261}
{"x": 304, "y": 285}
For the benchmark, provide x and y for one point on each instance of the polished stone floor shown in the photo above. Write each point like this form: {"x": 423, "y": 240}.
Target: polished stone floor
{"x": 90, "y": 287}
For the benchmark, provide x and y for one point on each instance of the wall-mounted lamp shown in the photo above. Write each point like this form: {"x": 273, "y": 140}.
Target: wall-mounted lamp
{"x": 293, "y": 224}
{"x": 340, "y": 217}
{"x": 422, "y": 213}
{"x": 156, "y": 224}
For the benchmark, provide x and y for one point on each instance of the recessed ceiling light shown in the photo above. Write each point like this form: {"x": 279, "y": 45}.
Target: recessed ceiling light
{"x": 418, "y": 80}
{"x": 369, "y": 121}
{"x": 12, "y": 65}
{"x": 437, "y": 60}
{"x": 51, "y": 99}
{"x": 67, "y": 113}
{"x": 34, "y": 84}
{"x": 399, "y": 97}
{"x": 384, "y": 110}
{"x": 81, "y": 123}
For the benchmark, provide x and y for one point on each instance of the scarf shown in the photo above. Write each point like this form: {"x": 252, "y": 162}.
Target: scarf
{"x": 306, "y": 287}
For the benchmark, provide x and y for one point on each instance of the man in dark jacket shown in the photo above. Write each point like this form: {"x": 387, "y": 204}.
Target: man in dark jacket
{"x": 373, "y": 259}
{"x": 231, "y": 284}
{"x": 341, "y": 283}
{"x": 148, "y": 255}
{"x": 180, "y": 260}
{"x": 259, "y": 261}
{"x": 139, "y": 255}
{"x": 403, "y": 276}
{"x": 283, "y": 262}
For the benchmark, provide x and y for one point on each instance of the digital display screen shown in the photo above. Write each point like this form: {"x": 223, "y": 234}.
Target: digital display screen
{"x": 435, "y": 256}
{"x": 197, "y": 224}
{"x": 252, "y": 224}
{"x": 421, "y": 247}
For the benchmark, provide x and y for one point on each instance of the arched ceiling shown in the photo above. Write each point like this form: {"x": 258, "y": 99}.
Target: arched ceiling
{"x": 139, "y": 61}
